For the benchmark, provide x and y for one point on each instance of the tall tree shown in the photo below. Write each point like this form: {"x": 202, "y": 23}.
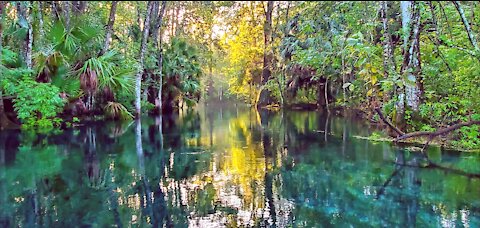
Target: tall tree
{"x": 2, "y": 109}
{"x": 264, "y": 97}
{"x": 160, "y": 56}
{"x": 143, "y": 48}
{"x": 411, "y": 62}
{"x": 111, "y": 21}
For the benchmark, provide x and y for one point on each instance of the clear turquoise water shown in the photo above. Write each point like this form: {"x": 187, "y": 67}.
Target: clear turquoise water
{"x": 233, "y": 166}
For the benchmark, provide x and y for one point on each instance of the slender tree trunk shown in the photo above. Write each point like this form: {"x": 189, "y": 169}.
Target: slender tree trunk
{"x": 343, "y": 77}
{"x": 160, "y": 57}
{"x": 2, "y": 109}
{"x": 40, "y": 21}
{"x": 264, "y": 96}
{"x": 267, "y": 30}
{"x": 471, "y": 36}
{"x": 387, "y": 45}
{"x": 405, "y": 7}
{"x": 67, "y": 15}
{"x": 326, "y": 94}
{"x": 154, "y": 25}
{"x": 413, "y": 90}
{"x": 111, "y": 21}
{"x": 24, "y": 12}
{"x": 143, "y": 47}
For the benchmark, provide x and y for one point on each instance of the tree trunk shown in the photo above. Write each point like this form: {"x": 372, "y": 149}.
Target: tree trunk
{"x": 413, "y": 87}
{"x": 2, "y": 109}
{"x": 111, "y": 21}
{"x": 267, "y": 33}
{"x": 143, "y": 48}
{"x": 471, "y": 36}
{"x": 160, "y": 57}
{"x": 387, "y": 45}
{"x": 24, "y": 13}
{"x": 405, "y": 7}
{"x": 67, "y": 15}
{"x": 40, "y": 21}
{"x": 154, "y": 16}
{"x": 264, "y": 96}
{"x": 57, "y": 10}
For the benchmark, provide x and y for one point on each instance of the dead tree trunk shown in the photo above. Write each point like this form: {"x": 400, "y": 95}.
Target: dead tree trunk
{"x": 111, "y": 21}
{"x": 143, "y": 48}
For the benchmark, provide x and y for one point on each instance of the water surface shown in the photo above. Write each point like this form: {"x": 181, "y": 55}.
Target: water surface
{"x": 230, "y": 166}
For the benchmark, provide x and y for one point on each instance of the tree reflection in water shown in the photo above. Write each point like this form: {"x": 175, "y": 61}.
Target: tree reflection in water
{"x": 230, "y": 166}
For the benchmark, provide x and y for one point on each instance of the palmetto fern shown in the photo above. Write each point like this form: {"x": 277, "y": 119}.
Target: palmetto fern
{"x": 116, "y": 110}
{"x": 106, "y": 72}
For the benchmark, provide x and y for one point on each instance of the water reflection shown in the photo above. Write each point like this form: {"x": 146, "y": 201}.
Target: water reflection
{"x": 230, "y": 166}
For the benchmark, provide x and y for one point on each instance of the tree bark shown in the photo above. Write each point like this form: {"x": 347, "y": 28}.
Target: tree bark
{"x": 413, "y": 88}
{"x": 143, "y": 48}
{"x": 111, "y": 21}
{"x": 25, "y": 14}
{"x": 67, "y": 15}
{"x": 153, "y": 24}
{"x": 40, "y": 21}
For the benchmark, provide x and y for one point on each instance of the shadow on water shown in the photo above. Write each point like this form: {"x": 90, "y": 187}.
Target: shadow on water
{"x": 230, "y": 166}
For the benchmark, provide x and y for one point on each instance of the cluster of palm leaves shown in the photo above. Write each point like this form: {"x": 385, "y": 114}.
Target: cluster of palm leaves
{"x": 69, "y": 60}
{"x": 182, "y": 71}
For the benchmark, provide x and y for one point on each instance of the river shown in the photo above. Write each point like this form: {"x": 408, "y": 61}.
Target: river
{"x": 231, "y": 166}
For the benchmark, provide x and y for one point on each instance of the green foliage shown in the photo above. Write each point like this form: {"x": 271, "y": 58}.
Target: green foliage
{"x": 182, "y": 70}
{"x": 37, "y": 104}
{"x": 112, "y": 72}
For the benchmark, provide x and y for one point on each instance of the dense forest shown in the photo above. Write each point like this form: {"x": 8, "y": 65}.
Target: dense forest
{"x": 410, "y": 64}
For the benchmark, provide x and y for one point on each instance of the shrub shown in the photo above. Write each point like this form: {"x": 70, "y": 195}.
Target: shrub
{"x": 37, "y": 104}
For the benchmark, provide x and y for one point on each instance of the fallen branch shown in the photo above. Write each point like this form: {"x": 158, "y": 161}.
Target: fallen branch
{"x": 430, "y": 134}
{"x": 386, "y": 121}
{"x": 439, "y": 132}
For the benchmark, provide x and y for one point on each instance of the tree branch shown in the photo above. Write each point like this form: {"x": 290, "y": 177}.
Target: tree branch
{"x": 386, "y": 121}
{"x": 439, "y": 132}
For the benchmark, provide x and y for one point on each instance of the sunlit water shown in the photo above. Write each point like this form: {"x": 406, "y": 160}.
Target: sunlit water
{"x": 234, "y": 166}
